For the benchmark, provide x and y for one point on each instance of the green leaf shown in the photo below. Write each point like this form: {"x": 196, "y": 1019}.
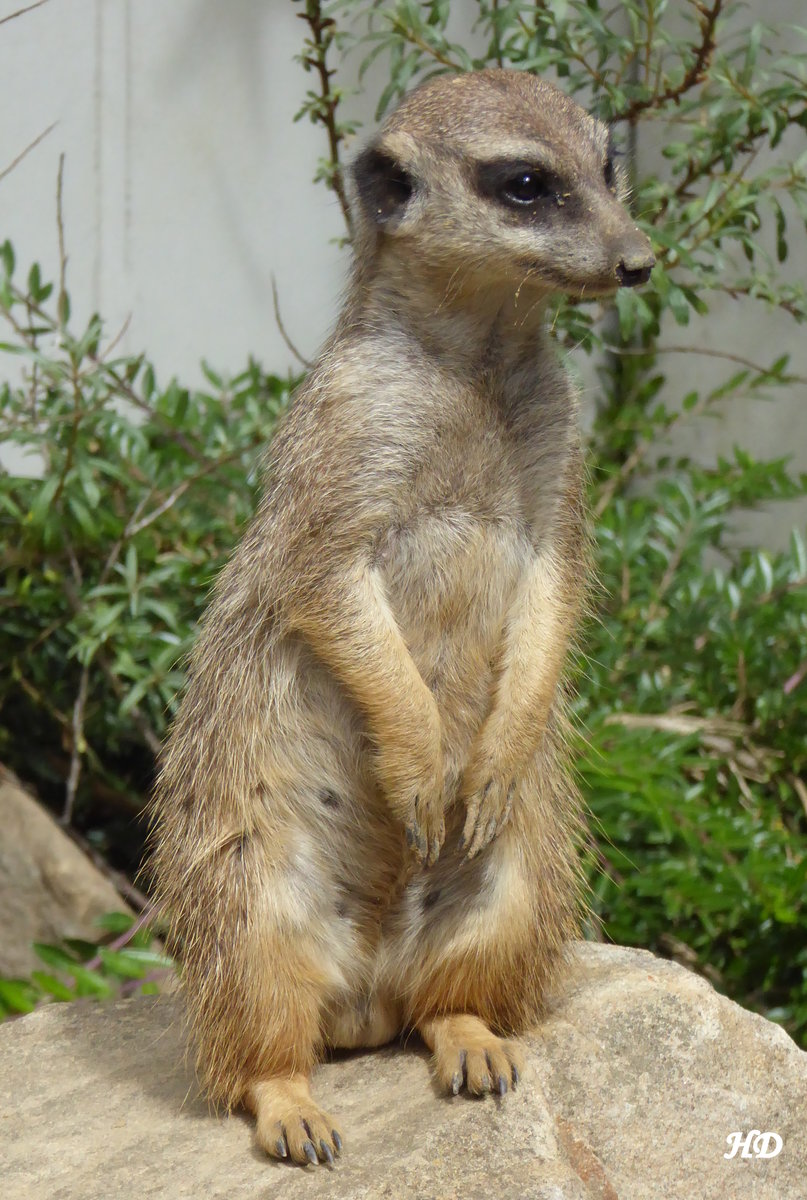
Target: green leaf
{"x": 16, "y": 996}
{"x": 52, "y": 986}
{"x": 53, "y": 956}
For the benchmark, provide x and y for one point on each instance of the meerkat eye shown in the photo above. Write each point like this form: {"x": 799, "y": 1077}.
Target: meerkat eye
{"x": 399, "y": 186}
{"x": 526, "y": 187}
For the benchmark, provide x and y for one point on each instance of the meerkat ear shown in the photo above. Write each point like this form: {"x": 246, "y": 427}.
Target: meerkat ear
{"x": 384, "y": 187}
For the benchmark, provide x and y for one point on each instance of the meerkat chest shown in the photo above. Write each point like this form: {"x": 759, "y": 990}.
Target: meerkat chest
{"x": 458, "y": 546}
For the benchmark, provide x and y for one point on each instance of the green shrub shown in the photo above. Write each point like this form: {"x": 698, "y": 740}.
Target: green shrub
{"x": 129, "y": 964}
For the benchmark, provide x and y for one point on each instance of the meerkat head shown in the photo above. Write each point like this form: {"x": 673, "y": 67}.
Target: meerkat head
{"x": 500, "y": 178}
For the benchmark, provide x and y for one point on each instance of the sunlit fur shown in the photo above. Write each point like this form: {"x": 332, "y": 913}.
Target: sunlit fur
{"x": 385, "y": 647}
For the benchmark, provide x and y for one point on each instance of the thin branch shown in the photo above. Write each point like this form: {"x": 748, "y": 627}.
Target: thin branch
{"x": 669, "y": 573}
{"x": 640, "y": 351}
{"x": 418, "y": 41}
{"x": 321, "y": 40}
{"x": 497, "y": 40}
{"x": 22, "y": 11}
{"x": 147, "y": 733}
{"x": 801, "y": 791}
{"x": 120, "y": 334}
{"x": 136, "y": 523}
{"x": 120, "y": 384}
{"x": 276, "y": 301}
{"x": 123, "y": 939}
{"x": 737, "y": 293}
{"x": 143, "y": 726}
{"x": 16, "y": 161}
{"x": 77, "y": 748}
{"x": 62, "y": 297}
{"x": 795, "y": 679}
{"x": 693, "y": 76}
{"x": 622, "y": 475}
{"x": 122, "y": 885}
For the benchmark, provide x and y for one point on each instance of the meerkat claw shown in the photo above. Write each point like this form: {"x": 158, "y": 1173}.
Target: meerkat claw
{"x": 337, "y": 1141}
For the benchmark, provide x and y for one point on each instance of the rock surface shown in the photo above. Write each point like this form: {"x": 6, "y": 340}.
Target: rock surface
{"x": 49, "y": 890}
{"x": 634, "y": 1083}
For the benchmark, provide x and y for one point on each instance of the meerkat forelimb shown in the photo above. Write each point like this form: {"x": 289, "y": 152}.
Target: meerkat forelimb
{"x": 364, "y": 821}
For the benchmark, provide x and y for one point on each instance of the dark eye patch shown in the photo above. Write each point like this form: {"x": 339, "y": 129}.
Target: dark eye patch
{"x": 384, "y": 186}
{"x": 521, "y": 186}
{"x": 609, "y": 174}
{"x": 609, "y": 170}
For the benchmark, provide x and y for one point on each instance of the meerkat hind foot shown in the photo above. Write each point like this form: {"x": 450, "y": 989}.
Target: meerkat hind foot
{"x": 289, "y": 1123}
{"x": 467, "y": 1055}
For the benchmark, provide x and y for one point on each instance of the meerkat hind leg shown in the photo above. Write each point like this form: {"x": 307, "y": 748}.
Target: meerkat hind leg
{"x": 290, "y": 1124}
{"x": 467, "y": 1054}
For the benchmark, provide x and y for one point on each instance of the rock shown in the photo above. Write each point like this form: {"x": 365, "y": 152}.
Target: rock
{"x": 49, "y": 889}
{"x": 634, "y": 1083}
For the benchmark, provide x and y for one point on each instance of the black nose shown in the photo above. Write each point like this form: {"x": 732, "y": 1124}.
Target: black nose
{"x": 631, "y": 276}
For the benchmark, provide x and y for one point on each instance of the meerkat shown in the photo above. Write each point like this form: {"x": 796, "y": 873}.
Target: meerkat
{"x": 365, "y": 822}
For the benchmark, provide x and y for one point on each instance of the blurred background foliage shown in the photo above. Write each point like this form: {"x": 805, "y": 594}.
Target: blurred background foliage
{"x": 692, "y": 683}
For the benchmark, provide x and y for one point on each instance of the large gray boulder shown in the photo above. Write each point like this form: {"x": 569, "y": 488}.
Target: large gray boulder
{"x": 634, "y": 1084}
{"x": 49, "y": 889}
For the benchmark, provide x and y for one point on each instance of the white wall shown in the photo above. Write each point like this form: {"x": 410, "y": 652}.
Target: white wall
{"x": 186, "y": 185}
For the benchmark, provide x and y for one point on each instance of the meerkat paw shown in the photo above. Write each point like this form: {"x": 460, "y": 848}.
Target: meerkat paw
{"x": 467, "y": 1055}
{"x": 289, "y": 1123}
{"x": 488, "y": 807}
{"x": 418, "y": 800}
{"x": 426, "y": 828}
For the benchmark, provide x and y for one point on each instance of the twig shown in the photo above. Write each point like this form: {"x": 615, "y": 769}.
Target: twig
{"x": 62, "y": 298}
{"x": 639, "y": 351}
{"x": 38, "y": 698}
{"x": 136, "y": 522}
{"x": 77, "y": 748}
{"x": 321, "y": 40}
{"x": 146, "y": 730}
{"x": 669, "y": 572}
{"x": 124, "y": 938}
{"x": 801, "y": 791}
{"x": 131, "y": 894}
{"x": 194, "y": 451}
{"x": 678, "y": 722}
{"x": 276, "y": 301}
{"x": 497, "y": 41}
{"x": 795, "y": 679}
{"x": 22, "y": 11}
{"x": 121, "y": 332}
{"x": 16, "y": 161}
{"x": 418, "y": 41}
{"x": 693, "y": 76}
{"x": 737, "y": 293}
{"x": 627, "y": 468}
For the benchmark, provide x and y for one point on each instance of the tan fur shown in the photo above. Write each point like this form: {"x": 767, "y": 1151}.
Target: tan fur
{"x": 364, "y": 821}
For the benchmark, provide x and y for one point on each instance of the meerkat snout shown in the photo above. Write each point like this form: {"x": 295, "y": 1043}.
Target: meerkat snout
{"x": 636, "y": 263}
{"x": 630, "y": 275}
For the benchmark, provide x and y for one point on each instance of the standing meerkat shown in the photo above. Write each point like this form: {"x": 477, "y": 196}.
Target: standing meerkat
{"x": 364, "y": 822}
